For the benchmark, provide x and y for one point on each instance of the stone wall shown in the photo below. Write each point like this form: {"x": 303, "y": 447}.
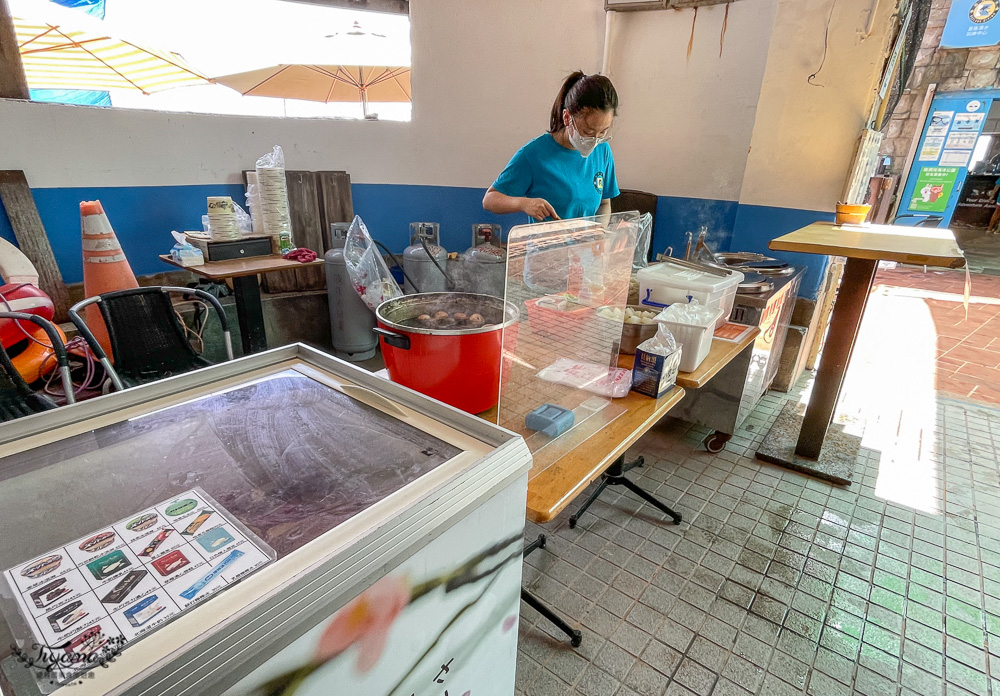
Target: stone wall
{"x": 952, "y": 70}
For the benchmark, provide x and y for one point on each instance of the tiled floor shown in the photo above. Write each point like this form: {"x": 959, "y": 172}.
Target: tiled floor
{"x": 776, "y": 583}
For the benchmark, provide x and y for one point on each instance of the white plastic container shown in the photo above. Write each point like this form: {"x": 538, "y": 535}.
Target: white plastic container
{"x": 662, "y": 284}
{"x": 694, "y": 339}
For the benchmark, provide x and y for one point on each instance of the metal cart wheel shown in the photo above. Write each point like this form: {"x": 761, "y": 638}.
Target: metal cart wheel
{"x": 716, "y": 442}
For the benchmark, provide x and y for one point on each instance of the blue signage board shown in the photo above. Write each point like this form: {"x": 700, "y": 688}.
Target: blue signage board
{"x": 942, "y": 160}
{"x": 972, "y": 23}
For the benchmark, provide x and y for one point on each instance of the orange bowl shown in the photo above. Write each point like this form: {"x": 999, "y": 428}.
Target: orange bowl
{"x": 852, "y": 214}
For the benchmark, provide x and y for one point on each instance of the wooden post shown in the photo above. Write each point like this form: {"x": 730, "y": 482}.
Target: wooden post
{"x": 13, "y": 84}
{"x": 31, "y": 238}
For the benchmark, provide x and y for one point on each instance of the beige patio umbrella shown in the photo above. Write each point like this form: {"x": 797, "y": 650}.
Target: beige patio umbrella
{"x": 324, "y": 83}
{"x": 64, "y": 49}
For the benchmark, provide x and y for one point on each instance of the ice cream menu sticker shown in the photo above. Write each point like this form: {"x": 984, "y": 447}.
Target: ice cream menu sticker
{"x": 119, "y": 583}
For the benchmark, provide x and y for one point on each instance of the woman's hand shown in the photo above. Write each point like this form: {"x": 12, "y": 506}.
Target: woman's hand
{"x": 501, "y": 204}
{"x": 539, "y": 208}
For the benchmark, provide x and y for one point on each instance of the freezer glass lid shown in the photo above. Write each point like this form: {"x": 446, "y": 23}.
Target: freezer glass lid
{"x": 286, "y": 454}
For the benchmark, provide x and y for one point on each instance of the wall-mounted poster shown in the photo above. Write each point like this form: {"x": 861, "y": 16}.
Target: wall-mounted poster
{"x": 940, "y": 123}
{"x": 968, "y": 121}
{"x": 933, "y": 189}
{"x": 931, "y": 149}
{"x": 955, "y": 158}
{"x": 972, "y": 23}
{"x": 961, "y": 141}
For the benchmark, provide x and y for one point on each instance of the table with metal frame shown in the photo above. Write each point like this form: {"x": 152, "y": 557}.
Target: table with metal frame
{"x": 243, "y": 273}
{"x": 863, "y": 246}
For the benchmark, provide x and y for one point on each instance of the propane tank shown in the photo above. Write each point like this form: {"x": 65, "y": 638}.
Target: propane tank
{"x": 418, "y": 265}
{"x": 486, "y": 261}
{"x": 351, "y": 321}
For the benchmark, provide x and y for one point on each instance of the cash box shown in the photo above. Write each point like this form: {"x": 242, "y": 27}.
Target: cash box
{"x": 232, "y": 249}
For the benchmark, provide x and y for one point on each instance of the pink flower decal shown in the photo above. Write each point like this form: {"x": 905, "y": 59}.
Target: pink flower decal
{"x": 365, "y": 621}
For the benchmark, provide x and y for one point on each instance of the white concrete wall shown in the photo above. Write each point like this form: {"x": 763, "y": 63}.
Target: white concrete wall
{"x": 804, "y": 136}
{"x": 484, "y": 76}
{"x": 685, "y": 124}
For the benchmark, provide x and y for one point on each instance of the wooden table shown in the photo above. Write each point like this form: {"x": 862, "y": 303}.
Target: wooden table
{"x": 719, "y": 355}
{"x": 555, "y": 481}
{"x": 246, "y": 288}
{"x": 554, "y": 484}
{"x": 864, "y": 246}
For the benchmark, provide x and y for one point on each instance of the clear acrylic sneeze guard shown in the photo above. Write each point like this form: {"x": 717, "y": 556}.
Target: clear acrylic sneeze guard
{"x": 562, "y": 276}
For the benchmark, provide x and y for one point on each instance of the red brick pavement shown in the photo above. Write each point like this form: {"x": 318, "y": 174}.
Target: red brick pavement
{"x": 968, "y": 345}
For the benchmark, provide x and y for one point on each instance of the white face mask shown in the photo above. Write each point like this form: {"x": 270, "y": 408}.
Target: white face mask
{"x": 582, "y": 143}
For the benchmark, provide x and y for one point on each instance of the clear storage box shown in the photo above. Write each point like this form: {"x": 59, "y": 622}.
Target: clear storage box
{"x": 694, "y": 338}
{"x": 663, "y": 284}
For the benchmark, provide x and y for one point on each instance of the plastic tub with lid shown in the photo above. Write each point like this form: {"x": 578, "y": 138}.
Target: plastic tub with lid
{"x": 662, "y": 284}
{"x": 695, "y": 337}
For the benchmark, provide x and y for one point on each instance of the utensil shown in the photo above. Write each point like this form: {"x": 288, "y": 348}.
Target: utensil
{"x": 695, "y": 266}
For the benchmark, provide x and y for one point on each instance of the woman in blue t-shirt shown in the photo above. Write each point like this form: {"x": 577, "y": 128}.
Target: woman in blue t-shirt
{"x": 568, "y": 172}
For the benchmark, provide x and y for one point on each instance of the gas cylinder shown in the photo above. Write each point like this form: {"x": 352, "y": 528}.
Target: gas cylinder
{"x": 418, "y": 265}
{"x": 485, "y": 262}
{"x": 351, "y": 321}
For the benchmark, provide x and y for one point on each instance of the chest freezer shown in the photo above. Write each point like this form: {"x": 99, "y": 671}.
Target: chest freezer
{"x": 285, "y": 524}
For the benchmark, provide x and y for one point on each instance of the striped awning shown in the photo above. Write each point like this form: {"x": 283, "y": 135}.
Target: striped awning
{"x": 58, "y": 55}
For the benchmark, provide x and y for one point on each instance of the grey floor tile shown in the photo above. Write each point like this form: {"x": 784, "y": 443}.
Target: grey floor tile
{"x": 645, "y": 680}
{"x": 744, "y": 673}
{"x": 776, "y": 583}
{"x": 661, "y": 657}
{"x": 630, "y": 638}
{"x": 547, "y": 684}
{"x": 725, "y": 687}
{"x": 695, "y": 677}
{"x": 597, "y": 682}
{"x": 567, "y": 664}
{"x": 614, "y": 660}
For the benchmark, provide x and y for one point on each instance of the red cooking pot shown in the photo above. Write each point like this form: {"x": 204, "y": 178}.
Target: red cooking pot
{"x": 447, "y": 345}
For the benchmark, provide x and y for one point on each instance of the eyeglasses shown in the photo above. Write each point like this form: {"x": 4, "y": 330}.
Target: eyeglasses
{"x": 597, "y": 138}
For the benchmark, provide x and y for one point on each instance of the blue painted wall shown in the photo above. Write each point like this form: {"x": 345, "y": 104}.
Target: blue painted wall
{"x": 143, "y": 217}
{"x": 388, "y": 210}
{"x": 756, "y": 225}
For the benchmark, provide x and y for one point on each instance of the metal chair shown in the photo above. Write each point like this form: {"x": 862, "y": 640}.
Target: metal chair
{"x": 17, "y": 399}
{"x": 631, "y": 199}
{"x": 922, "y": 220}
{"x": 148, "y": 341}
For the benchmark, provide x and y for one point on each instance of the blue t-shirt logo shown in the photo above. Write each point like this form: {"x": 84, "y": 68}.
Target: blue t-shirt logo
{"x": 599, "y": 182}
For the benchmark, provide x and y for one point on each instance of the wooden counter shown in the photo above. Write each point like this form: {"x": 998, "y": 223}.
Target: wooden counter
{"x": 720, "y": 355}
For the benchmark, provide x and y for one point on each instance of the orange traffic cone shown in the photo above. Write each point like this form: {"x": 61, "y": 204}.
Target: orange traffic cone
{"x": 105, "y": 267}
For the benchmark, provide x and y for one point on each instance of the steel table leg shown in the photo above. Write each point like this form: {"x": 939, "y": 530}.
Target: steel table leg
{"x": 575, "y": 637}
{"x": 615, "y": 476}
{"x": 250, "y": 313}
{"x": 859, "y": 274}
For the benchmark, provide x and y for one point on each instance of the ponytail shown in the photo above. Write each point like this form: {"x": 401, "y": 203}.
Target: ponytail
{"x": 555, "y": 120}
{"x": 580, "y": 91}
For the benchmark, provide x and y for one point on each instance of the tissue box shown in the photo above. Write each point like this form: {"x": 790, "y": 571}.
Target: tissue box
{"x": 187, "y": 255}
{"x": 654, "y": 375}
